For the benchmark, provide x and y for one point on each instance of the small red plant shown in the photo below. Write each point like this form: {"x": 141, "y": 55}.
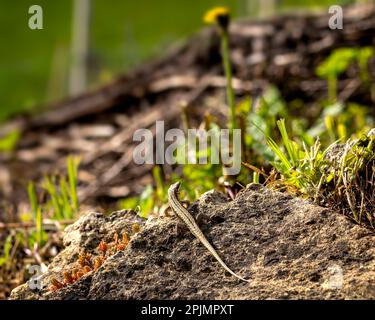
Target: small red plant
{"x": 86, "y": 264}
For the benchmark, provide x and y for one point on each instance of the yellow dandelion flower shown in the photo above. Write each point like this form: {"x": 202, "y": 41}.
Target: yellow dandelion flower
{"x": 217, "y": 15}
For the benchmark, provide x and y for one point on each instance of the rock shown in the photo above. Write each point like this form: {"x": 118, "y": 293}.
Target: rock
{"x": 83, "y": 236}
{"x": 288, "y": 247}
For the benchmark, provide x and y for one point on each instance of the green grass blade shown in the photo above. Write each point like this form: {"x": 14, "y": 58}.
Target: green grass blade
{"x": 32, "y": 198}
{"x": 7, "y": 247}
{"x": 67, "y": 207}
{"x": 72, "y": 164}
{"x": 158, "y": 179}
{"x": 280, "y": 154}
{"x": 36, "y": 211}
{"x": 290, "y": 147}
{"x": 55, "y": 199}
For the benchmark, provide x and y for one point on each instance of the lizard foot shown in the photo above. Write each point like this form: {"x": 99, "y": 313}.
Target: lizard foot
{"x": 180, "y": 229}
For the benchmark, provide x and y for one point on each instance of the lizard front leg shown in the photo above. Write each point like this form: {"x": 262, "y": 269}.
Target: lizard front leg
{"x": 180, "y": 227}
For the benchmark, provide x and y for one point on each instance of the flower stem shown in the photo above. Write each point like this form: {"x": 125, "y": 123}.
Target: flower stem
{"x": 332, "y": 89}
{"x": 228, "y": 75}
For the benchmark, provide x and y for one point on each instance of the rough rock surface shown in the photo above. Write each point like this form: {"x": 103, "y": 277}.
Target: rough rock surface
{"x": 288, "y": 247}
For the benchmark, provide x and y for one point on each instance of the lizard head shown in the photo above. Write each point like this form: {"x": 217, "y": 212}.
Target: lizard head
{"x": 175, "y": 187}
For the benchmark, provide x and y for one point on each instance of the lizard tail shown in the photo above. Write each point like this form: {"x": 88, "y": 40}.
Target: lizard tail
{"x": 223, "y": 264}
{"x": 236, "y": 275}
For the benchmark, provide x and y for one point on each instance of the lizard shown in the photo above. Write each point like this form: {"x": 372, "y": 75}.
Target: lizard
{"x": 188, "y": 219}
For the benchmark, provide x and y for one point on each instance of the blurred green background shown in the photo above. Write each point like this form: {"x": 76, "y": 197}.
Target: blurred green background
{"x": 34, "y": 64}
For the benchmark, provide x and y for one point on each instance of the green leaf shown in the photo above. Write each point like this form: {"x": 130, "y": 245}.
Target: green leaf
{"x": 9, "y": 142}
{"x": 129, "y": 203}
{"x": 336, "y": 63}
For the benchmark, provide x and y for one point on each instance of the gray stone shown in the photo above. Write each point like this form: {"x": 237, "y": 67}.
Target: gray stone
{"x": 288, "y": 247}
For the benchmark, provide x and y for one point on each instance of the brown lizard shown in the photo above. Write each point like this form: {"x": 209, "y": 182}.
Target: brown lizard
{"x": 188, "y": 219}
